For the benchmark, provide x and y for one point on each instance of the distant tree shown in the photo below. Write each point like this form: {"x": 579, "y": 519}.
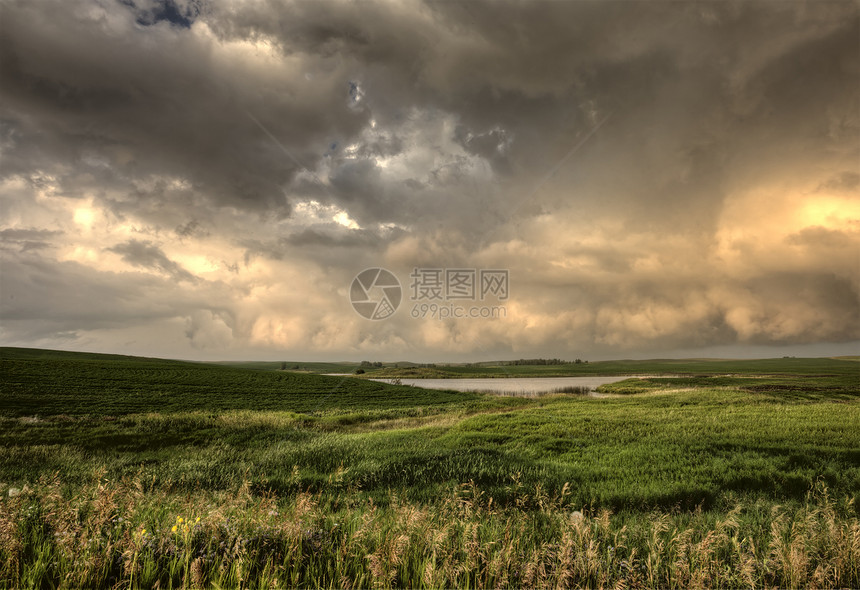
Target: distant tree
{"x": 536, "y": 362}
{"x": 284, "y": 366}
{"x": 359, "y": 371}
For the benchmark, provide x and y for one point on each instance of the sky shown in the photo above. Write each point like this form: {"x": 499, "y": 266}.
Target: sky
{"x": 589, "y": 179}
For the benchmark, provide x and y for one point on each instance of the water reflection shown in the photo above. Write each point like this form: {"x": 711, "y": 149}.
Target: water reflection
{"x": 516, "y": 386}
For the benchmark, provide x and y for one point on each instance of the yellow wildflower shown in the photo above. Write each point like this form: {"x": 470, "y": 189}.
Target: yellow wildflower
{"x": 173, "y": 529}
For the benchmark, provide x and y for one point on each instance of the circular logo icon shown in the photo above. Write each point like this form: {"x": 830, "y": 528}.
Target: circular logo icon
{"x": 375, "y": 293}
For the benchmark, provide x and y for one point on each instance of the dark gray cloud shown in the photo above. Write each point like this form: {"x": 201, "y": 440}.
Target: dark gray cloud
{"x": 157, "y": 101}
{"x": 27, "y": 239}
{"x": 41, "y": 297}
{"x": 146, "y": 255}
{"x": 655, "y": 175}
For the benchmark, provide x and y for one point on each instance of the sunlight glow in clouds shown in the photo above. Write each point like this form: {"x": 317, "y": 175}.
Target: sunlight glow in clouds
{"x": 836, "y": 213}
{"x": 210, "y": 191}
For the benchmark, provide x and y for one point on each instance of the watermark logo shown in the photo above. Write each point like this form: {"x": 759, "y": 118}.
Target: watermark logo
{"x": 446, "y": 284}
{"x": 375, "y": 293}
{"x": 435, "y": 292}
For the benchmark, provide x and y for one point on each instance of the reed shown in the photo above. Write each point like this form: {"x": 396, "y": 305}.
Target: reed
{"x": 127, "y": 534}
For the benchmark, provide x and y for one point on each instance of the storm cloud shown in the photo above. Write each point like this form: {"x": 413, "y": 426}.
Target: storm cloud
{"x": 205, "y": 179}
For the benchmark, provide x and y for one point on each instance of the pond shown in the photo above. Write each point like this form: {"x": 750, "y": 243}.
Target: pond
{"x": 516, "y": 385}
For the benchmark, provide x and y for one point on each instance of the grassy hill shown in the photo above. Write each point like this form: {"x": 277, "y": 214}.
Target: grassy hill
{"x": 747, "y": 473}
{"x": 40, "y": 382}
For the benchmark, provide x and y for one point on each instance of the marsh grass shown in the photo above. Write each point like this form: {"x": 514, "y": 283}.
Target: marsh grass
{"x": 566, "y": 390}
{"x": 129, "y": 535}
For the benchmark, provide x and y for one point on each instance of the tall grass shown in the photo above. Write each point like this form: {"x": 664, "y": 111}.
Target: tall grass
{"x": 125, "y": 534}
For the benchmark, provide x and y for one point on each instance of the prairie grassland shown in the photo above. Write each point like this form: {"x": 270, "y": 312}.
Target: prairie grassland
{"x": 708, "y": 480}
{"x": 125, "y": 534}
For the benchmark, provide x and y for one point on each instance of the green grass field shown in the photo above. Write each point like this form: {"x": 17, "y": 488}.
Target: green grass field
{"x": 736, "y": 473}
{"x": 45, "y": 383}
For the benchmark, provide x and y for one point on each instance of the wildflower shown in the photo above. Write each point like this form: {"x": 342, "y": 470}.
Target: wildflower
{"x": 179, "y": 519}
{"x": 173, "y": 529}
